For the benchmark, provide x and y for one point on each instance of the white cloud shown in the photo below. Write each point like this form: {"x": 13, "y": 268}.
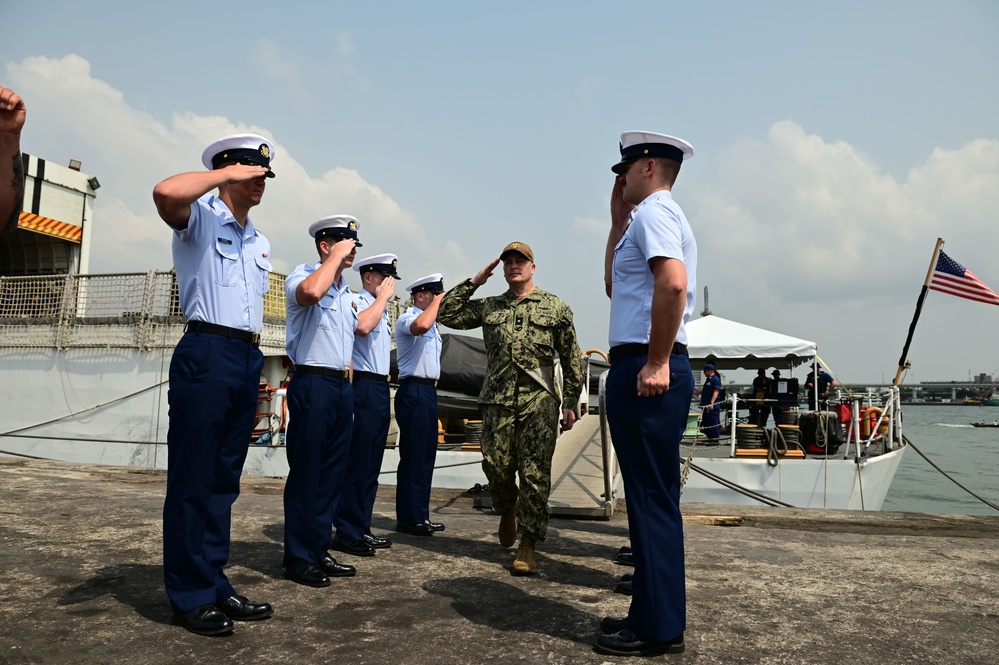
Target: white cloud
{"x": 811, "y": 238}
{"x": 72, "y": 113}
{"x": 804, "y": 217}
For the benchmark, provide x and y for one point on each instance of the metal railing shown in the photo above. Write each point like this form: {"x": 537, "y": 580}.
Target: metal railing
{"x": 119, "y": 310}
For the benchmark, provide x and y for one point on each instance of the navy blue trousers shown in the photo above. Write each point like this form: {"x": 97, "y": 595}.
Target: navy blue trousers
{"x": 710, "y": 422}
{"x": 214, "y": 383}
{"x": 416, "y": 413}
{"x": 364, "y": 462}
{"x": 320, "y": 411}
{"x": 646, "y": 432}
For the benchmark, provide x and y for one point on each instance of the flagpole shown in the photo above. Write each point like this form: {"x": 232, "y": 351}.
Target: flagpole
{"x": 902, "y": 361}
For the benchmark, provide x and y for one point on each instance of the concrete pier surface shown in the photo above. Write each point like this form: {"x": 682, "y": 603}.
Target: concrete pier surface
{"x": 81, "y": 581}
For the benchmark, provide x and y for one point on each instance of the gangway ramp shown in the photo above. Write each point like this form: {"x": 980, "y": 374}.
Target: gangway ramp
{"x": 578, "y": 481}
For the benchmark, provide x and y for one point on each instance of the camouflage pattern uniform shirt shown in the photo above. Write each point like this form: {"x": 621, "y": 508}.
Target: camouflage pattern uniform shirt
{"x": 521, "y": 337}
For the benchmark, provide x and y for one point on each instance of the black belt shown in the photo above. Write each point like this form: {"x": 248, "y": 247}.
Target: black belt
{"x": 420, "y": 380}
{"x": 224, "y": 331}
{"x": 635, "y": 349}
{"x": 325, "y": 371}
{"x": 358, "y": 374}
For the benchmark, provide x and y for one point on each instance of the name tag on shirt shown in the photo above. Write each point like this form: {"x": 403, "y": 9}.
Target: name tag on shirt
{"x": 224, "y": 241}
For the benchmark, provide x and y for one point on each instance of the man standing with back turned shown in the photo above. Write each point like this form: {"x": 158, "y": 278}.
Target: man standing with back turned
{"x": 649, "y": 269}
{"x": 523, "y": 329}
{"x": 223, "y": 265}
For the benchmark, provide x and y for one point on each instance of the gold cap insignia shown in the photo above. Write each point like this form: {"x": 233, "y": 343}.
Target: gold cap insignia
{"x": 265, "y": 151}
{"x": 352, "y": 225}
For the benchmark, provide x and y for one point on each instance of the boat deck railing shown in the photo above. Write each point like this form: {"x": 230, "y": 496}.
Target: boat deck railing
{"x": 118, "y": 310}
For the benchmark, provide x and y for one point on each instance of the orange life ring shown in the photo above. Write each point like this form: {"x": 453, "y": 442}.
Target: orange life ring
{"x": 869, "y": 420}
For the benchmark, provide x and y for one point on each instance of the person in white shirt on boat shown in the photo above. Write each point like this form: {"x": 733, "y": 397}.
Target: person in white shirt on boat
{"x": 649, "y": 272}
{"x": 223, "y": 271}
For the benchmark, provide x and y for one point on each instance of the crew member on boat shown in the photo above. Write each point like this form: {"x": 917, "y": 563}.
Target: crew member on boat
{"x": 759, "y": 412}
{"x": 649, "y": 271}
{"x": 825, "y": 384}
{"x": 776, "y": 408}
{"x": 711, "y": 403}
{"x": 418, "y": 350}
{"x": 322, "y": 317}
{"x": 223, "y": 264}
{"x": 372, "y": 409}
{"x": 523, "y": 329}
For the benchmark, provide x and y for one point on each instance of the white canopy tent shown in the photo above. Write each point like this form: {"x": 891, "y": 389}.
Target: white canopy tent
{"x": 731, "y": 345}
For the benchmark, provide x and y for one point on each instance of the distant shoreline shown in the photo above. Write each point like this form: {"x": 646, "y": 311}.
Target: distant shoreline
{"x": 945, "y": 404}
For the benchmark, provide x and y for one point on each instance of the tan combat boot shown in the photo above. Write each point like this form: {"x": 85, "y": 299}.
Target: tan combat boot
{"x": 508, "y": 527}
{"x": 525, "y": 563}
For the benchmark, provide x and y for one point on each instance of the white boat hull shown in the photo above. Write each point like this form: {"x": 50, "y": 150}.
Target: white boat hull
{"x": 50, "y": 413}
{"x": 804, "y": 483}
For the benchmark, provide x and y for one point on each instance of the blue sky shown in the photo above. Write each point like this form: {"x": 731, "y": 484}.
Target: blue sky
{"x": 834, "y": 142}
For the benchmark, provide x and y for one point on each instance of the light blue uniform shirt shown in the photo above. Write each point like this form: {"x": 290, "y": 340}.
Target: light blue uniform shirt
{"x": 321, "y": 335}
{"x": 417, "y": 356}
{"x": 222, "y": 268}
{"x": 657, "y": 228}
{"x": 372, "y": 353}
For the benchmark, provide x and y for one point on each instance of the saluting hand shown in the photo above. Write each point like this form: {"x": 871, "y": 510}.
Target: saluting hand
{"x": 386, "y": 288}
{"x": 619, "y": 208}
{"x": 485, "y": 273}
{"x": 342, "y": 249}
{"x": 12, "y": 112}
{"x": 243, "y": 172}
{"x": 653, "y": 380}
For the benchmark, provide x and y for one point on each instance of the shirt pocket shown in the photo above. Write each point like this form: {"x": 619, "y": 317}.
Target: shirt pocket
{"x": 263, "y": 273}
{"x": 629, "y": 262}
{"x": 227, "y": 265}
{"x": 329, "y": 313}
{"x": 542, "y": 329}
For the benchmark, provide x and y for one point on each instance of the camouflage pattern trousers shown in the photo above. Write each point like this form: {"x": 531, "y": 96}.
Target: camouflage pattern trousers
{"x": 517, "y": 445}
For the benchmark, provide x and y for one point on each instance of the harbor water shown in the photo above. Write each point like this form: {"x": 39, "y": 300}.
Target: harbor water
{"x": 969, "y": 454}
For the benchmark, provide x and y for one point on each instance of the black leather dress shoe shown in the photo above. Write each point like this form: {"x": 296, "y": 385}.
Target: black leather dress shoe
{"x": 627, "y": 558}
{"x": 435, "y": 526}
{"x": 334, "y": 568}
{"x": 625, "y": 643}
{"x": 627, "y": 577}
{"x": 623, "y": 587}
{"x": 355, "y": 547}
{"x": 306, "y": 573}
{"x": 238, "y": 608}
{"x": 206, "y": 620}
{"x": 421, "y": 529}
{"x": 377, "y": 542}
{"x": 624, "y": 549}
{"x": 610, "y": 625}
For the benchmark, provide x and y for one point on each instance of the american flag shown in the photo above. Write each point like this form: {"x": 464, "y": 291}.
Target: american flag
{"x": 953, "y": 278}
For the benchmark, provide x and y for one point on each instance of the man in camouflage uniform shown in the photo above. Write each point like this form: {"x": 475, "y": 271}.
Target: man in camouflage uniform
{"x": 523, "y": 330}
